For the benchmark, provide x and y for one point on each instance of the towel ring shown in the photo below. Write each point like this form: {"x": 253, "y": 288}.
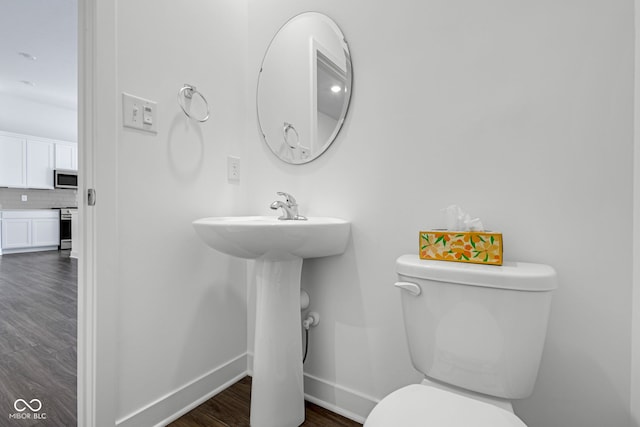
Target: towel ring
{"x": 285, "y": 133}
{"x": 187, "y": 92}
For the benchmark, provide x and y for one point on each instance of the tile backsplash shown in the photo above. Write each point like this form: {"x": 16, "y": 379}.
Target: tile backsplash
{"x": 11, "y": 198}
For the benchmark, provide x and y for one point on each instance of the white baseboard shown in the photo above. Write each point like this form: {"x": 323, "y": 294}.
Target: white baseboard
{"x": 250, "y": 364}
{"x": 343, "y": 401}
{"x": 25, "y": 250}
{"x": 182, "y": 400}
{"x": 336, "y": 398}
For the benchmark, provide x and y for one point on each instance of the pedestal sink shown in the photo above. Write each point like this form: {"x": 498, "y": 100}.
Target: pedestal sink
{"x": 277, "y": 395}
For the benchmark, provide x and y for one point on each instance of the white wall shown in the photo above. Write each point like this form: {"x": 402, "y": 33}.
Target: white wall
{"x": 519, "y": 112}
{"x": 635, "y": 342}
{"x": 23, "y": 115}
{"x": 181, "y": 305}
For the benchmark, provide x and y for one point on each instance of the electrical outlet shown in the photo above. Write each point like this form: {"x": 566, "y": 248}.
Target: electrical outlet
{"x": 233, "y": 169}
{"x": 23, "y": 198}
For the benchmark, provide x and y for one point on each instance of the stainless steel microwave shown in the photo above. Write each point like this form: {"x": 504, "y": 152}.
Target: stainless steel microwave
{"x": 63, "y": 178}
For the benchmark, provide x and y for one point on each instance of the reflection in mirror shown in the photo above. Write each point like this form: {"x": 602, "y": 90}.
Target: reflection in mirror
{"x": 304, "y": 88}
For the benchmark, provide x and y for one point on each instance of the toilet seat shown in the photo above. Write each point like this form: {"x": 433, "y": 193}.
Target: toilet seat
{"x": 425, "y": 406}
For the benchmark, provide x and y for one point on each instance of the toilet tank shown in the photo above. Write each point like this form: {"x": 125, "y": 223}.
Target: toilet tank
{"x": 479, "y": 327}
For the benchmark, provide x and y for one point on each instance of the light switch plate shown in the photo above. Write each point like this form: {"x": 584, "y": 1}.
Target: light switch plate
{"x": 139, "y": 113}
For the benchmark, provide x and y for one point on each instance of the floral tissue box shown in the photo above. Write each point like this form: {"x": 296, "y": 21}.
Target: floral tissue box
{"x": 480, "y": 247}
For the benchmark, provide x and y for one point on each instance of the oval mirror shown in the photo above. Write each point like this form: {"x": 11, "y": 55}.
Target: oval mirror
{"x": 304, "y": 88}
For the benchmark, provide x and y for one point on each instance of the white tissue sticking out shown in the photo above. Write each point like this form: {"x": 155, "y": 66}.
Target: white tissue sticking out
{"x": 458, "y": 220}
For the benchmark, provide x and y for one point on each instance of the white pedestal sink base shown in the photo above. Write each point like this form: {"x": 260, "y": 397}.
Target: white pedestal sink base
{"x": 277, "y": 395}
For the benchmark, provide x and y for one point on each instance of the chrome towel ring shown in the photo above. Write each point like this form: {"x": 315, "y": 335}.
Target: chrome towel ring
{"x": 187, "y": 92}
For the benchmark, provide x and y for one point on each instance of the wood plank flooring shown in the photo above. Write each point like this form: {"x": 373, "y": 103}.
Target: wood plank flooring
{"x": 38, "y": 303}
{"x": 230, "y": 408}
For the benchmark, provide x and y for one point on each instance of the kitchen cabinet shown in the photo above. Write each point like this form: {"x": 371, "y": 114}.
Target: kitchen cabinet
{"x": 30, "y": 230}
{"x": 39, "y": 164}
{"x": 28, "y": 162}
{"x": 13, "y": 161}
{"x": 66, "y": 156}
{"x": 45, "y": 232}
{"x": 16, "y": 233}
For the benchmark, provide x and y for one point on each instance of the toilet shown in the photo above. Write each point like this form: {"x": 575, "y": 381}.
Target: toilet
{"x": 476, "y": 332}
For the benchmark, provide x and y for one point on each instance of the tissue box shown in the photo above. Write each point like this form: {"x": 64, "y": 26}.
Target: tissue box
{"x": 480, "y": 247}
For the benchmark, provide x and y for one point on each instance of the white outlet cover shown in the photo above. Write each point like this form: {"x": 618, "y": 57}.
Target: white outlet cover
{"x": 233, "y": 169}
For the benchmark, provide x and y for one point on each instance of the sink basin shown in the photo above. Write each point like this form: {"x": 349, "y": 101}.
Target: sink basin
{"x": 262, "y": 236}
{"x": 277, "y": 393}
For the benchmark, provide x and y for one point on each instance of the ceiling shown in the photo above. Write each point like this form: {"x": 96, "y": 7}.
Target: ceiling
{"x": 47, "y": 30}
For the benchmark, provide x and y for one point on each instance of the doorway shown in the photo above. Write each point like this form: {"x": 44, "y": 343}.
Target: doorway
{"x": 39, "y": 285}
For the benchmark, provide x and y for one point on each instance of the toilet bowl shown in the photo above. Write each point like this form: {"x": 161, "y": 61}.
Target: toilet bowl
{"x": 422, "y": 405}
{"x": 477, "y": 333}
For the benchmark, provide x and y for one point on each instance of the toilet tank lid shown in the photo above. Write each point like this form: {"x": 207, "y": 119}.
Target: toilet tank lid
{"x": 511, "y": 275}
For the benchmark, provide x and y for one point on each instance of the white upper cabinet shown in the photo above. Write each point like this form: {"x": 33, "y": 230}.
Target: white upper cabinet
{"x": 13, "y": 161}
{"x": 66, "y": 156}
{"x": 28, "y": 162}
{"x": 39, "y": 164}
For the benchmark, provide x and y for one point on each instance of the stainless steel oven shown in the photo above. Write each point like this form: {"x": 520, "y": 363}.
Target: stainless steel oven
{"x": 63, "y": 178}
{"x": 65, "y": 228}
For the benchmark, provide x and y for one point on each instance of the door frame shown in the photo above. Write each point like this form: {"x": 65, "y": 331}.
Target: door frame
{"x": 98, "y": 225}
{"x": 635, "y": 305}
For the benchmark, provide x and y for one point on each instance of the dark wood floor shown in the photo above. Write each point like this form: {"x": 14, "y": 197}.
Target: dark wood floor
{"x": 38, "y": 302}
{"x": 230, "y": 408}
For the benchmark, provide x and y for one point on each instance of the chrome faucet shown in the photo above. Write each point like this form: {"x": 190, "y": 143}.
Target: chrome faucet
{"x": 289, "y": 208}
